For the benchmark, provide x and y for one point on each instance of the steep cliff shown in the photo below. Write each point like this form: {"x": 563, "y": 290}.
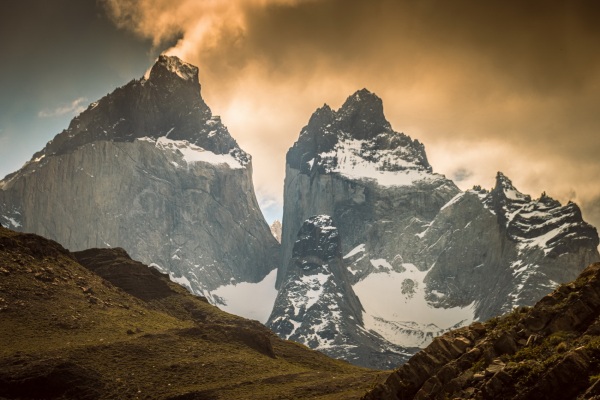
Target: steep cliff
{"x": 150, "y": 169}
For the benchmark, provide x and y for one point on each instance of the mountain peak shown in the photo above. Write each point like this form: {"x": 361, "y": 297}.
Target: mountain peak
{"x": 169, "y": 66}
{"x": 505, "y": 187}
{"x": 363, "y": 96}
{"x": 357, "y": 141}
{"x": 362, "y": 114}
{"x": 167, "y": 103}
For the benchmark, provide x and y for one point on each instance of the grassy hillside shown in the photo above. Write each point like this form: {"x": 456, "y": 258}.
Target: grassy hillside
{"x": 125, "y": 331}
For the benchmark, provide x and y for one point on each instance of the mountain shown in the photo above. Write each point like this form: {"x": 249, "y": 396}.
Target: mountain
{"x": 150, "y": 169}
{"x": 276, "y": 230}
{"x": 317, "y": 306}
{"x": 422, "y": 256}
{"x": 549, "y": 351}
{"x": 96, "y": 324}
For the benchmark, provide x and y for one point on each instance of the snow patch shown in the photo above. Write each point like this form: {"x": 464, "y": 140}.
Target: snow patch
{"x": 394, "y": 299}
{"x": 351, "y": 163}
{"x": 381, "y": 264}
{"x": 13, "y": 222}
{"x": 182, "y": 280}
{"x": 314, "y": 284}
{"x": 249, "y": 300}
{"x": 453, "y": 200}
{"x": 192, "y": 154}
{"x": 358, "y": 249}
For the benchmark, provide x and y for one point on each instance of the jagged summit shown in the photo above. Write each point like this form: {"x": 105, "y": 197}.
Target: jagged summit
{"x": 542, "y": 223}
{"x": 167, "y": 104}
{"x": 168, "y": 66}
{"x": 505, "y": 188}
{"x": 362, "y": 115}
{"x": 357, "y": 141}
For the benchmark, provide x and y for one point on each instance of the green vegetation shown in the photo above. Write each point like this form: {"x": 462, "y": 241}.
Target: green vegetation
{"x": 59, "y": 319}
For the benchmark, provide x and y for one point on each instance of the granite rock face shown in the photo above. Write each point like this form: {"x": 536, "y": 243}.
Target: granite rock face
{"x": 148, "y": 168}
{"x": 422, "y": 256}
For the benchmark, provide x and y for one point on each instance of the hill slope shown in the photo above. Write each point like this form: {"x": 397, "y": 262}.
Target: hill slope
{"x": 98, "y": 325}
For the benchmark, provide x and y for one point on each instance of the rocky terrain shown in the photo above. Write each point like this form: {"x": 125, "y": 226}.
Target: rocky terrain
{"x": 422, "y": 256}
{"x": 317, "y": 306}
{"x": 548, "y": 351}
{"x": 97, "y": 325}
{"x": 148, "y": 168}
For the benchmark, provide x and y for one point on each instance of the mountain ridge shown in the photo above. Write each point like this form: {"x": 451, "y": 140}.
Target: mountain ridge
{"x": 454, "y": 256}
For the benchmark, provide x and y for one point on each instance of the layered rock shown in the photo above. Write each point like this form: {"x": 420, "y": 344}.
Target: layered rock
{"x": 423, "y": 257}
{"x": 150, "y": 169}
{"x": 317, "y": 306}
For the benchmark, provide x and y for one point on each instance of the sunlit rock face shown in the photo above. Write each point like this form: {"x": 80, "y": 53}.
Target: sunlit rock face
{"x": 421, "y": 255}
{"x": 148, "y": 168}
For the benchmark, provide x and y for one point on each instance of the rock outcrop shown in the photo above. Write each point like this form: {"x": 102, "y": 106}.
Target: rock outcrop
{"x": 276, "y": 230}
{"x": 549, "y": 351}
{"x": 148, "y": 168}
{"x": 449, "y": 257}
{"x": 317, "y": 306}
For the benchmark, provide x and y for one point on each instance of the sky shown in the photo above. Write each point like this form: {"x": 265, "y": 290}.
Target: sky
{"x": 487, "y": 86}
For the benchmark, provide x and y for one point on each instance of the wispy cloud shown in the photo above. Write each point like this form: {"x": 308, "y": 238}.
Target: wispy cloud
{"x": 75, "y": 107}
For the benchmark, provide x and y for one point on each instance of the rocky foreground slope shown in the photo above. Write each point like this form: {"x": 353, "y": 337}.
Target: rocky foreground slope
{"x": 149, "y": 168}
{"x": 548, "y": 351}
{"x": 98, "y": 325}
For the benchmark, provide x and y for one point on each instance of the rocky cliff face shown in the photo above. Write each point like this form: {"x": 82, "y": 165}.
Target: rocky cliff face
{"x": 150, "y": 169}
{"x": 549, "y": 351}
{"x": 423, "y": 257}
{"x": 317, "y": 306}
